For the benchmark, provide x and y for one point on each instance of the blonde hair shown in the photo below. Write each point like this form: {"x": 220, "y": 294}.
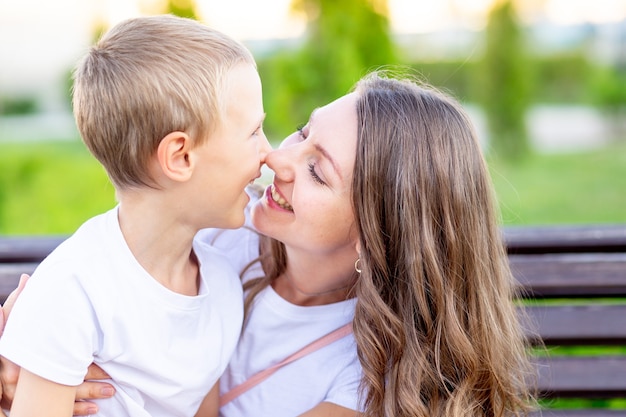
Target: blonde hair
{"x": 435, "y": 323}
{"x": 148, "y": 77}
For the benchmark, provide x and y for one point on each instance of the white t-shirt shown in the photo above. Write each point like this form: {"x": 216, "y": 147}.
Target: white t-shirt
{"x": 91, "y": 301}
{"x": 277, "y": 329}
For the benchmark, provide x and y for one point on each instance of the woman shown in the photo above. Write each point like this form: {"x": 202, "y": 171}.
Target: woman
{"x": 381, "y": 205}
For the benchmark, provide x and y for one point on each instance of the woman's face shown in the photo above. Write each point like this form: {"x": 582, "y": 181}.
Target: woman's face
{"x": 308, "y": 206}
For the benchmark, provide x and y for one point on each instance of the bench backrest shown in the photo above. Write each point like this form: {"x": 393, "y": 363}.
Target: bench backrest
{"x": 572, "y": 287}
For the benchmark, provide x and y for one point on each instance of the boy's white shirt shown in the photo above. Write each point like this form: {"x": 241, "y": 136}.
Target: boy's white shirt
{"x": 91, "y": 301}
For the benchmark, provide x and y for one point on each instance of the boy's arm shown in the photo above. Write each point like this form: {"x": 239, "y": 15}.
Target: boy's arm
{"x": 9, "y": 372}
{"x": 36, "y": 396}
{"x": 328, "y": 410}
{"x": 211, "y": 403}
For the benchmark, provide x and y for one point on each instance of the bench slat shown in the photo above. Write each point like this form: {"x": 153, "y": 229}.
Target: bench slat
{"x": 10, "y": 276}
{"x": 584, "y": 377}
{"x": 589, "y": 324}
{"x": 578, "y": 413}
{"x": 549, "y": 262}
{"x": 565, "y": 238}
{"x": 567, "y": 275}
{"x": 27, "y": 248}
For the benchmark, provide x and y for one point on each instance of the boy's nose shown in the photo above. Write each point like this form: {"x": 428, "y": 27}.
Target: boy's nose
{"x": 264, "y": 147}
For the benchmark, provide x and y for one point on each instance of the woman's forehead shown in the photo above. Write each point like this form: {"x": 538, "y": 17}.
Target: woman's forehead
{"x": 334, "y": 128}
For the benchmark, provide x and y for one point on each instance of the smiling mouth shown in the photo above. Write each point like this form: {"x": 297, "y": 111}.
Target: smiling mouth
{"x": 278, "y": 199}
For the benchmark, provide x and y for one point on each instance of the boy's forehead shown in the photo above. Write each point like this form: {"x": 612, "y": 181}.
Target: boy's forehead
{"x": 240, "y": 101}
{"x": 243, "y": 90}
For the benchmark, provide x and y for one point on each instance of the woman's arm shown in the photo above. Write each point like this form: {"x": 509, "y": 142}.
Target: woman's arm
{"x": 36, "y": 396}
{"x": 210, "y": 404}
{"x": 329, "y": 410}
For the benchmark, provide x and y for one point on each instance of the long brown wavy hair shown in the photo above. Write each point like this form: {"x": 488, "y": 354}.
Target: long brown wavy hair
{"x": 435, "y": 322}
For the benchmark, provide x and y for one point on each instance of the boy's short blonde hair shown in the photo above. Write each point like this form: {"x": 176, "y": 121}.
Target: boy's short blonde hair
{"x": 148, "y": 77}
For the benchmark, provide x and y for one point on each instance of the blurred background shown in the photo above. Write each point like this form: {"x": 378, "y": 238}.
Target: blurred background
{"x": 543, "y": 80}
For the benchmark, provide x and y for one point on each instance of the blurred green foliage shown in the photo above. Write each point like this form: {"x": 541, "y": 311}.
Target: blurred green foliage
{"x": 344, "y": 40}
{"x": 609, "y": 87}
{"x": 182, "y": 8}
{"x": 609, "y": 93}
{"x": 52, "y": 187}
{"x": 505, "y": 79}
{"x": 563, "y": 77}
{"x": 17, "y": 105}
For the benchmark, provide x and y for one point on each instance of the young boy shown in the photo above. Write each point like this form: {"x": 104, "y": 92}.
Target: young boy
{"x": 173, "y": 111}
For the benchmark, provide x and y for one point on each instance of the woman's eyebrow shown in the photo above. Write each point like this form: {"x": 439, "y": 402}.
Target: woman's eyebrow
{"x": 326, "y": 155}
{"x": 322, "y": 150}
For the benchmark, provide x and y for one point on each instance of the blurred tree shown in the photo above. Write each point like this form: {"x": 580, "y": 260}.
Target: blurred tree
{"x": 344, "y": 40}
{"x": 505, "y": 80}
{"x": 182, "y": 8}
{"x": 608, "y": 90}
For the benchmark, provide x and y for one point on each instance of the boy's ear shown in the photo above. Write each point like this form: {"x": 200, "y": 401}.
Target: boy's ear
{"x": 173, "y": 156}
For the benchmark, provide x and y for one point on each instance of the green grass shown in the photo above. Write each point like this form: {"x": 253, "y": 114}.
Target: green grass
{"x": 52, "y": 187}
{"x": 574, "y": 188}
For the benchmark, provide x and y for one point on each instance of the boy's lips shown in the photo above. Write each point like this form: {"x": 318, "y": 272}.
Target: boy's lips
{"x": 274, "y": 196}
{"x": 255, "y": 178}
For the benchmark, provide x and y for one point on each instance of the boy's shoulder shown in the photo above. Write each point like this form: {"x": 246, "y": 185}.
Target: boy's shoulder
{"x": 89, "y": 248}
{"x": 92, "y": 236}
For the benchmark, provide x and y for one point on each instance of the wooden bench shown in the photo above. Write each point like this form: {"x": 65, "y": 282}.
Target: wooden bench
{"x": 572, "y": 287}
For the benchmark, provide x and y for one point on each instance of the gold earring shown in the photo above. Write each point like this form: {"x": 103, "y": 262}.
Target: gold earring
{"x": 357, "y": 264}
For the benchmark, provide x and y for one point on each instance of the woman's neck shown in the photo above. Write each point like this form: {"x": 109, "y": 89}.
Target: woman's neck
{"x": 310, "y": 281}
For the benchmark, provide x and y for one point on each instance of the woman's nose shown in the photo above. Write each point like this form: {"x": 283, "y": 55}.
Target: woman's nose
{"x": 281, "y": 161}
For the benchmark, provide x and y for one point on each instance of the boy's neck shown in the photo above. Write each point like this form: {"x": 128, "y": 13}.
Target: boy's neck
{"x": 160, "y": 242}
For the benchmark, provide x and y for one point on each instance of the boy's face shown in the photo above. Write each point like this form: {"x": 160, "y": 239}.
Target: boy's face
{"x": 234, "y": 152}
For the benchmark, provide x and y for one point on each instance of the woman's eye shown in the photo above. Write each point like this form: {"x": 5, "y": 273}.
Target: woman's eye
{"x": 301, "y": 131}
{"x": 314, "y": 175}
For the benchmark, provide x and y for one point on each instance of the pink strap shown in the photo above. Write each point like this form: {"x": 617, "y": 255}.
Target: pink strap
{"x": 261, "y": 376}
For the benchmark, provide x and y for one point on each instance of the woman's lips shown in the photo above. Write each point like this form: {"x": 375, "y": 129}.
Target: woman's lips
{"x": 274, "y": 196}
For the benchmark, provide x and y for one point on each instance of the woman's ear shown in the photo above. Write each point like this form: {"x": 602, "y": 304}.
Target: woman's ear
{"x": 173, "y": 156}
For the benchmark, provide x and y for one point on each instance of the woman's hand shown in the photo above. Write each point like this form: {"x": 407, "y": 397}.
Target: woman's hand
{"x": 92, "y": 389}
{"x": 9, "y": 371}
{"x": 10, "y": 301}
